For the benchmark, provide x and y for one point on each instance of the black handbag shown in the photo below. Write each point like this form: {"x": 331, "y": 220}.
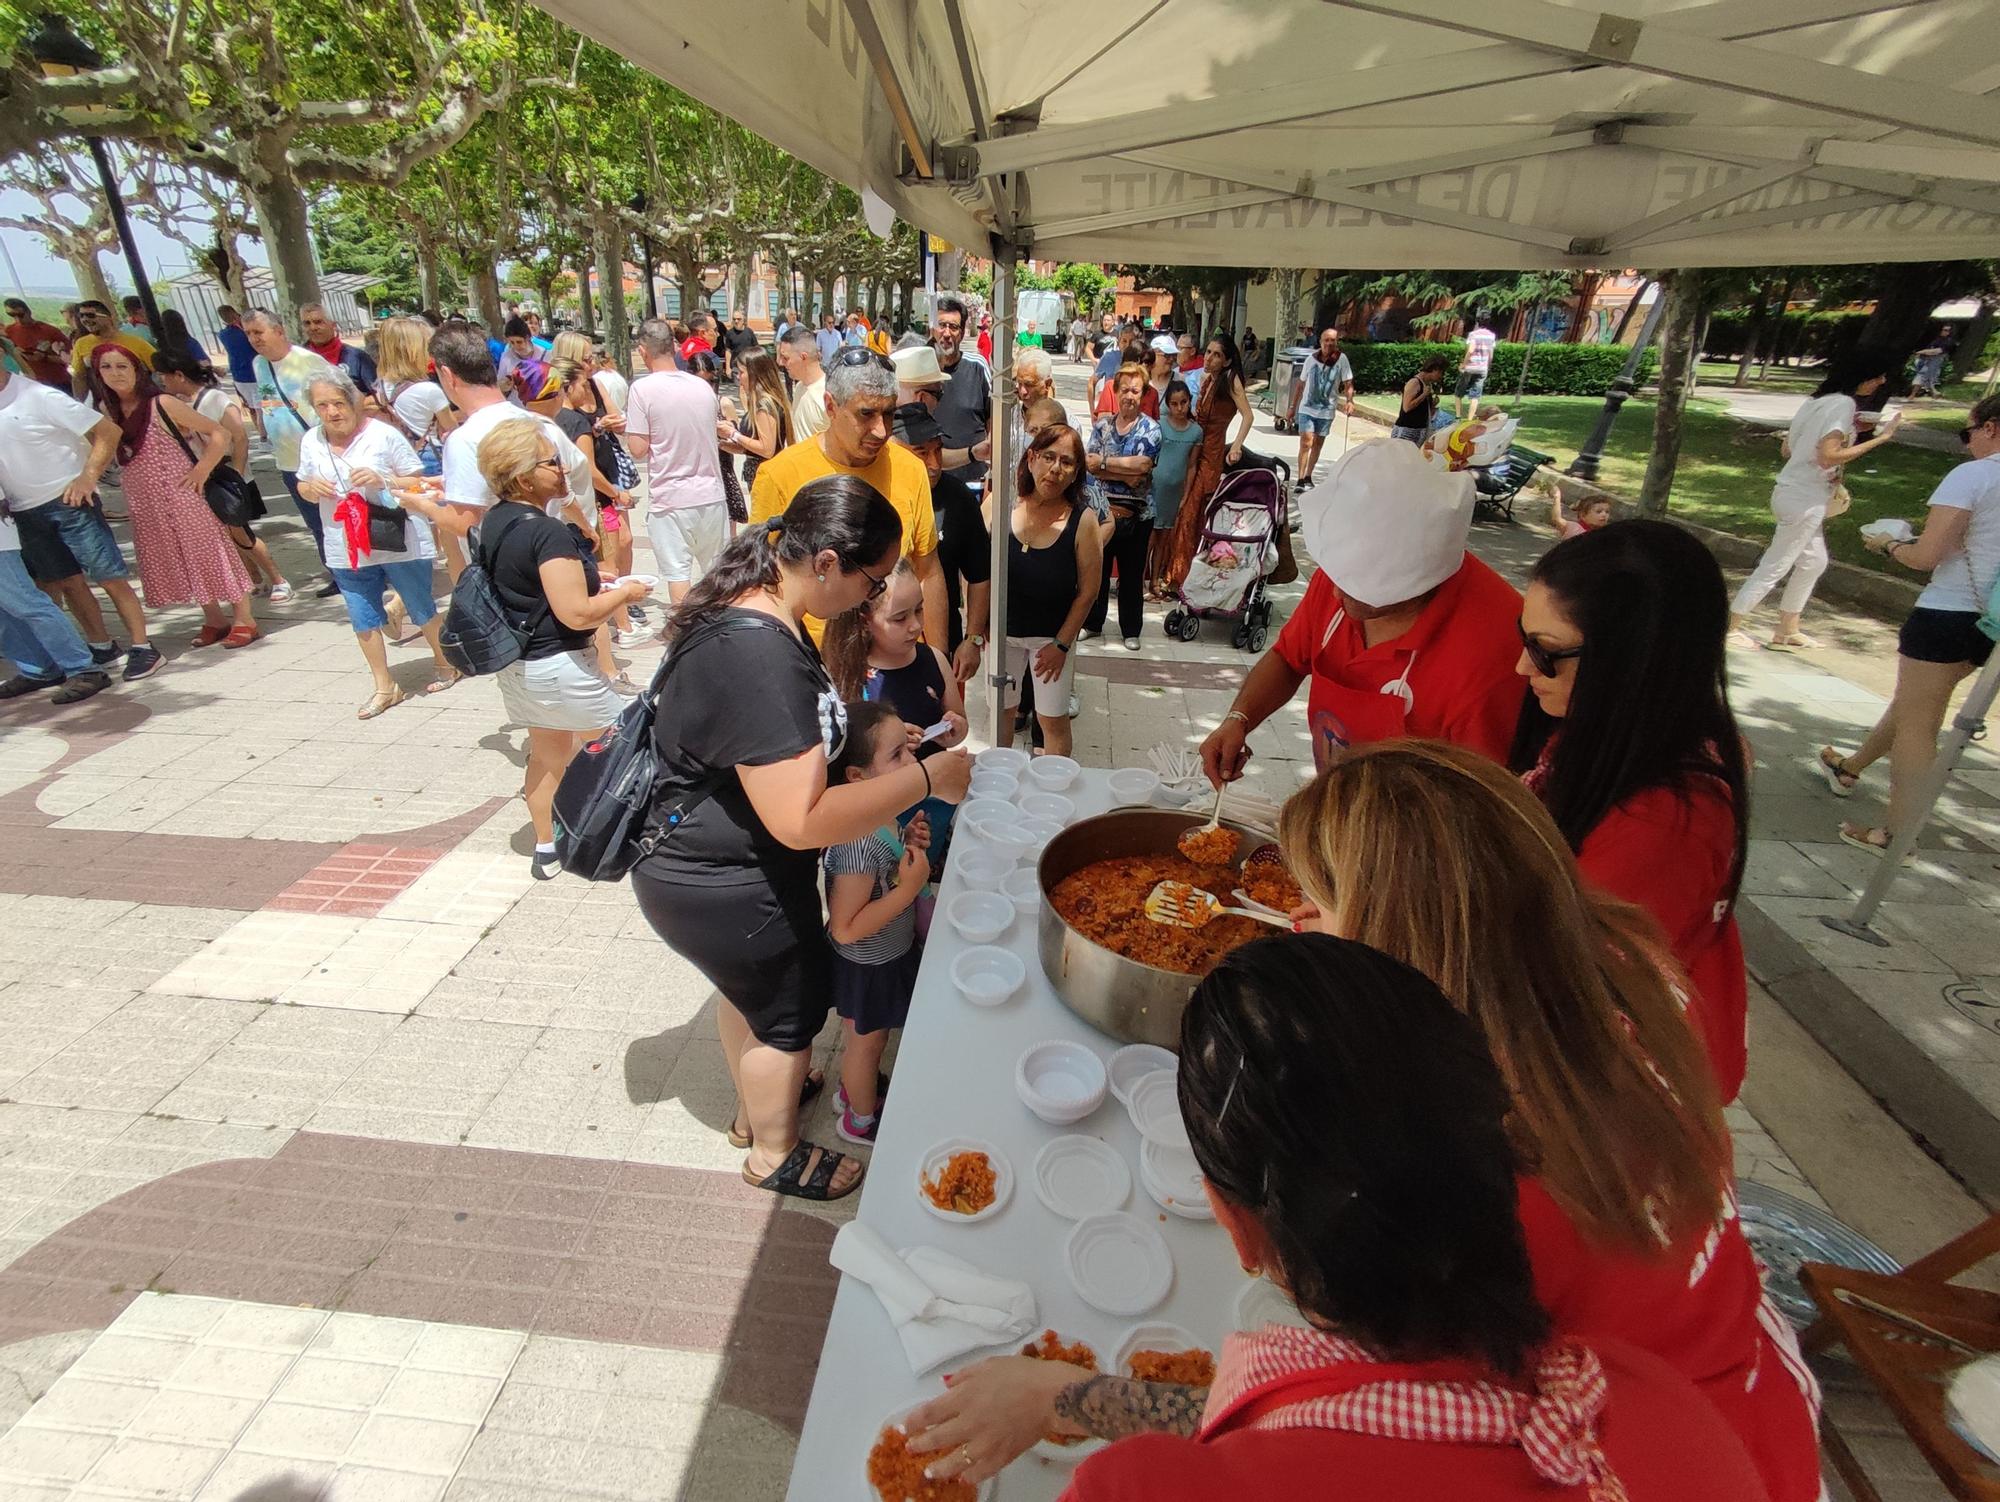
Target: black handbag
{"x": 388, "y": 526}
{"x": 234, "y": 500}
{"x": 478, "y": 636}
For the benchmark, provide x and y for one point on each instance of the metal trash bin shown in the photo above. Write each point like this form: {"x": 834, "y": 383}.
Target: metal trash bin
{"x": 1284, "y": 375}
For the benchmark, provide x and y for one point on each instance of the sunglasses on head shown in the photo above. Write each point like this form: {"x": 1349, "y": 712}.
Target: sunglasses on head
{"x": 1545, "y": 660}
{"x": 857, "y": 355}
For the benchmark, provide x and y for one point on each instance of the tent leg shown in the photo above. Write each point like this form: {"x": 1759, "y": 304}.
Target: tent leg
{"x": 1966, "y": 725}
{"x": 999, "y": 430}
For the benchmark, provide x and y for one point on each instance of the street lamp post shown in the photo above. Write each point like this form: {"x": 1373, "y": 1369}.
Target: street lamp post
{"x": 61, "y": 52}
{"x": 1584, "y": 466}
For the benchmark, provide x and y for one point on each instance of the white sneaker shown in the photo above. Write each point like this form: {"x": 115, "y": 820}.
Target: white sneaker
{"x": 1075, "y": 706}
{"x": 631, "y": 639}
{"x": 1131, "y": 643}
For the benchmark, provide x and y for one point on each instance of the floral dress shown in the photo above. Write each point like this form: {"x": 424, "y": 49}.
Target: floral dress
{"x": 185, "y": 556}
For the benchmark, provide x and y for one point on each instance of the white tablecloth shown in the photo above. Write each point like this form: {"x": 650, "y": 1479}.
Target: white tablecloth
{"x": 955, "y": 1077}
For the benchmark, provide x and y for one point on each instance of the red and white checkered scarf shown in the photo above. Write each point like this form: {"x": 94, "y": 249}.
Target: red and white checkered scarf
{"x": 1554, "y": 1422}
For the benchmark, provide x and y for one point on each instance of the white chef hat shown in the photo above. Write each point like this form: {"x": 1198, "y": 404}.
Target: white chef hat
{"x": 1388, "y": 524}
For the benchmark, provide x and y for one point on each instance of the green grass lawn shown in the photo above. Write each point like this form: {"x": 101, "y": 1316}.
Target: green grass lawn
{"x": 1726, "y": 466}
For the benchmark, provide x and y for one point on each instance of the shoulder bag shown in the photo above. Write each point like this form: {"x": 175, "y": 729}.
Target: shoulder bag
{"x": 478, "y": 636}
{"x": 233, "y": 499}
{"x": 388, "y": 526}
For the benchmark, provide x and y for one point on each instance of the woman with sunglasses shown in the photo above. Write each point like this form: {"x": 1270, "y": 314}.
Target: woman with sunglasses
{"x": 1941, "y": 643}
{"x": 1626, "y": 736}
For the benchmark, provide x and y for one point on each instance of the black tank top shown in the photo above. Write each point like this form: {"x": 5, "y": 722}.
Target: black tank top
{"x": 1041, "y": 582}
{"x": 915, "y": 691}
{"x": 1420, "y": 415}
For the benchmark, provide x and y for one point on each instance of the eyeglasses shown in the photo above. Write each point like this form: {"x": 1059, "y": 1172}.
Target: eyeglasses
{"x": 1545, "y": 660}
{"x": 875, "y": 585}
{"x": 552, "y": 462}
{"x": 1965, "y": 434}
{"x": 854, "y": 356}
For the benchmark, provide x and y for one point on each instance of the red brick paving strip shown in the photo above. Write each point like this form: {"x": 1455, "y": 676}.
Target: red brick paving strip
{"x": 358, "y": 882}
{"x": 624, "y": 1252}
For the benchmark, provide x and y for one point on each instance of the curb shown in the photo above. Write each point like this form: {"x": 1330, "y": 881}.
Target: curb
{"x": 1943, "y": 1117}
{"x": 1887, "y": 599}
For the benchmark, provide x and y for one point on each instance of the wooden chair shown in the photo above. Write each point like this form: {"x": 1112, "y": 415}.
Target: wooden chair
{"x": 1909, "y": 1367}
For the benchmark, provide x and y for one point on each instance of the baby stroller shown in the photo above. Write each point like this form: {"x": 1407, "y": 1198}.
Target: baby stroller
{"x": 1235, "y": 553}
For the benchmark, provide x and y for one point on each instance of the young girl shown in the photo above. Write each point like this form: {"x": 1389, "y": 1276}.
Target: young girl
{"x": 877, "y": 652}
{"x": 1595, "y": 512}
{"x": 1179, "y": 433}
{"x": 872, "y": 886}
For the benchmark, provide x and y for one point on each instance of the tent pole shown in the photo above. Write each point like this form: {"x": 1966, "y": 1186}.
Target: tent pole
{"x": 1968, "y": 723}
{"x": 1000, "y": 431}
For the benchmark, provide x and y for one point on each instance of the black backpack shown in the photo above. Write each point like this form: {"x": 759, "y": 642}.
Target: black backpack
{"x": 605, "y": 817}
{"x": 477, "y": 636}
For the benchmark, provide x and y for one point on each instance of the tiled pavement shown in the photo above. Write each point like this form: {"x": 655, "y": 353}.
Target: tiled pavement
{"x": 339, "y": 1159}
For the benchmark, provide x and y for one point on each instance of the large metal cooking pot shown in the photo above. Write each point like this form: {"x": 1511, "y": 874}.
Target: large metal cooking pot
{"x": 1133, "y": 1002}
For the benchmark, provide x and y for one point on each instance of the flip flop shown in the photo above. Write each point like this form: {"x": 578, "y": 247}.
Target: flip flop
{"x": 380, "y": 704}
{"x": 1831, "y": 765}
{"x": 1863, "y": 838}
{"x": 791, "y": 1180}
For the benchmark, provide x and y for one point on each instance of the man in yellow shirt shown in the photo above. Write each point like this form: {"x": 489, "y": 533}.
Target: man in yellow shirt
{"x": 860, "y": 398}
{"x": 99, "y": 328}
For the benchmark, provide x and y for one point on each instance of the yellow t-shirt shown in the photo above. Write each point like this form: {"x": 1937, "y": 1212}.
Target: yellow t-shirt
{"x": 897, "y": 474}
{"x": 79, "y": 353}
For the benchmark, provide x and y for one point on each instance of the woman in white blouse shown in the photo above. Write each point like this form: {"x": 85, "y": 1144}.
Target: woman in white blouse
{"x": 345, "y": 464}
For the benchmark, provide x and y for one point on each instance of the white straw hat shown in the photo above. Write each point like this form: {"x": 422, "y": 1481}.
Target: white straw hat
{"x": 1388, "y": 524}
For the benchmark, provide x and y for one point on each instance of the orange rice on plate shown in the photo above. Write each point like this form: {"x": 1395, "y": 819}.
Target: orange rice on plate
{"x": 1183, "y": 1368}
{"x": 897, "y": 1474}
{"x": 1050, "y": 1347}
{"x": 964, "y": 1186}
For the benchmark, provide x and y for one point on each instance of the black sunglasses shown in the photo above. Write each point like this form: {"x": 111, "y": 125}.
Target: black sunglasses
{"x": 1965, "y": 434}
{"x": 857, "y": 355}
{"x": 875, "y": 585}
{"x": 1545, "y": 660}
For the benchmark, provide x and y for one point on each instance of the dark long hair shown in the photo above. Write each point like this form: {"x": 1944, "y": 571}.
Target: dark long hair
{"x": 845, "y": 644}
{"x": 1341, "y": 1099}
{"x": 1024, "y": 479}
{"x": 1232, "y": 356}
{"x": 1862, "y": 363}
{"x": 841, "y": 514}
{"x": 866, "y": 719}
{"x": 1650, "y": 705}
{"x": 132, "y": 424}
{"x": 184, "y": 362}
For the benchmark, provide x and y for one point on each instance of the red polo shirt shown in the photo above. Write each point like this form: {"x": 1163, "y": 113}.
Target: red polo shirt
{"x": 1457, "y": 660}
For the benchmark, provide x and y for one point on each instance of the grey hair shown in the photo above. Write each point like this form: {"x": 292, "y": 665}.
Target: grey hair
{"x": 1035, "y": 362}
{"x": 340, "y": 381}
{"x": 265, "y": 315}
{"x": 311, "y": 307}
{"x": 801, "y": 340}
{"x": 846, "y": 383}
{"x": 656, "y": 337}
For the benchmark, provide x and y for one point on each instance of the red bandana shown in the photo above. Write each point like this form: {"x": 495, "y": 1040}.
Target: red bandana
{"x": 352, "y": 514}
{"x": 1281, "y": 1377}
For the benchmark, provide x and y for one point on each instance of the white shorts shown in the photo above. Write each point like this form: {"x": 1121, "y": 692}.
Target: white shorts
{"x": 565, "y": 692}
{"x": 687, "y": 540}
{"x": 1051, "y": 699}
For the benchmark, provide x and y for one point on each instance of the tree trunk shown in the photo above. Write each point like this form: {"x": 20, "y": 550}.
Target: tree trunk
{"x": 1971, "y": 341}
{"x": 1528, "y": 352}
{"x": 89, "y": 274}
{"x": 1694, "y": 354}
{"x": 1775, "y": 328}
{"x": 586, "y": 305}
{"x": 1289, "y": 278}
{"x": 281, "y": 214}
{"x": 950, "y": 267}
{"x": 1902, "y": 317}
{"x": 430, "y": 286}
{"x": 1753, "y": 336}
{"x": 606, "y": 242}
{"x": 1682, "y": 319}
{"x": 485, "y": 280}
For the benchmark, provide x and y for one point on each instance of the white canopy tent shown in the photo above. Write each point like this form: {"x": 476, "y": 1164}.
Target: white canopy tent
{"x": 1359, "y": 134}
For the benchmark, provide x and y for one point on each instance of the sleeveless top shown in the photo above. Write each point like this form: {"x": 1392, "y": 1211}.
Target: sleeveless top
{"x": 1041, "y": 582}
{"x": 915, "y": 691}
{"x": 1420, "y": 415}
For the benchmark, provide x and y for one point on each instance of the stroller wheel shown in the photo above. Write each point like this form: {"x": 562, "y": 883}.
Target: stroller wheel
{"x": 1256, "y": 638}
{"x": 1240, "y": 637}
{"x": 1181, "y": 625}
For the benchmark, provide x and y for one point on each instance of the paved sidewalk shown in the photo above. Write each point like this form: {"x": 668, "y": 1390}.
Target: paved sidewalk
{"x": 339, "y": 1158}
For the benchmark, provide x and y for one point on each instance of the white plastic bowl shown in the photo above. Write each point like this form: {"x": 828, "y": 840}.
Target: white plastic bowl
{"x": 980, "y": 916}
{"x": 1133, "y": 1062}
{"x": 1039, "y": 833}
{"x": 975, "y": 809}
{"x": 1053, "y": 773}
{"x": 1052, "y": 806}
{"x": 1155, "y": 1335}
{"x": 1155, "y": 1107}
{"x": 1009, "y": 837}
{"x": 987, "y": 975}
{"x": 981, "y": 870}
{"x": 1060, "y": 1082}
{"x": 1023, "y": 887}
{"x": 994, "y": 784}
{"x": 1134, "y": 785}
{"x": 1178, "y": 795}
{"x": 1002, "y": 759}
{"x": 898, "y": 1420}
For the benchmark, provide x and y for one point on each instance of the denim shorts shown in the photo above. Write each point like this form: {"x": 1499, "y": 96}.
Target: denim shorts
{"x": 361, "y": 591}
{"x": 58, "y": 542}
{"x": 1307, "y": 422}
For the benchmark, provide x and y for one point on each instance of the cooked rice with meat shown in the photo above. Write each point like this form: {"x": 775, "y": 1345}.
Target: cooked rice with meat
{"x": 1182, "y": 1368}
{"x": 1106, "y": 902}
{"x": 964, "y": 1186}
{"x": 897, "y": 1474}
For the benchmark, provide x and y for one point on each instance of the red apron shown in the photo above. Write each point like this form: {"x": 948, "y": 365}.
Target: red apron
{"x": 1340, "y": 715}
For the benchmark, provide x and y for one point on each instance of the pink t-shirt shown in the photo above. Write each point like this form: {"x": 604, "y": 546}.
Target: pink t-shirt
{"x": 675, "y": 413}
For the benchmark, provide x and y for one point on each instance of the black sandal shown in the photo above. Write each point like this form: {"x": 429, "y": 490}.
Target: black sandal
{"x": 790, "y": 1178}
{"x": 808, "y": 1092}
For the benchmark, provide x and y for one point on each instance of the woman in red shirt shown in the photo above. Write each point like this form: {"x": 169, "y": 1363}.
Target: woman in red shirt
{"x": 1627, "y": 737}
{"x": 1316, "y": 1075}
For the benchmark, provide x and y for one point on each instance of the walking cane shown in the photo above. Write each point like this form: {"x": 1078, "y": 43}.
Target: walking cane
{"x": 1346, "y": 422}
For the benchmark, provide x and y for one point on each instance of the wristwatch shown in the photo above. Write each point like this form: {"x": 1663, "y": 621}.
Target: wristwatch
{"x": 978, "y": 641}
{"x": 1060, "y": 645}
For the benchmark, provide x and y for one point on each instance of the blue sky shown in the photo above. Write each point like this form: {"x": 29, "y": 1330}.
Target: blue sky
{"x": 41, "y": 270}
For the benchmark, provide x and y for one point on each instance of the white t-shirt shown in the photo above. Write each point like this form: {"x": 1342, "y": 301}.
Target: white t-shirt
{"x": 1479, "y": 351}
{"x": 379, "y": 447}
{"x": 44, "y": 442}
{"x": 614, "y": 388}
{"x": 1804, "y": 480}
{"x": 213, "y": 402}
{"x": 1964, "y": 580}
{"x": 417, "y": 404}
{"x": 674, "y": 413}
{"x": 10, "y": 535}
{"x": 1323, "y": 383}
{"x": 809, "y": 410}
{"x": 464, "y": 485}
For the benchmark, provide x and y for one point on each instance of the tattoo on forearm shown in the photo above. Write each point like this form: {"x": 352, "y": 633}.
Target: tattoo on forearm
{"x": 1113, "y": 1407}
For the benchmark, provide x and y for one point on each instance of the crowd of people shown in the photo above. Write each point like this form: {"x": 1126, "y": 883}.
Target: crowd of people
{"x": 1521, "y": 850}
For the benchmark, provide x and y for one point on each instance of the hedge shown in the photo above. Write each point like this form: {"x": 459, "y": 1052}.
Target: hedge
{"x": 1556, "y": 370}
{"x": 1811, "y": 336}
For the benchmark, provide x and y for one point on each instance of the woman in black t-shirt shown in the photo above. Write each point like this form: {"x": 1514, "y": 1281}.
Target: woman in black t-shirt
{"x": 547, "y": 585}
{"x": 748, "y": 722}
